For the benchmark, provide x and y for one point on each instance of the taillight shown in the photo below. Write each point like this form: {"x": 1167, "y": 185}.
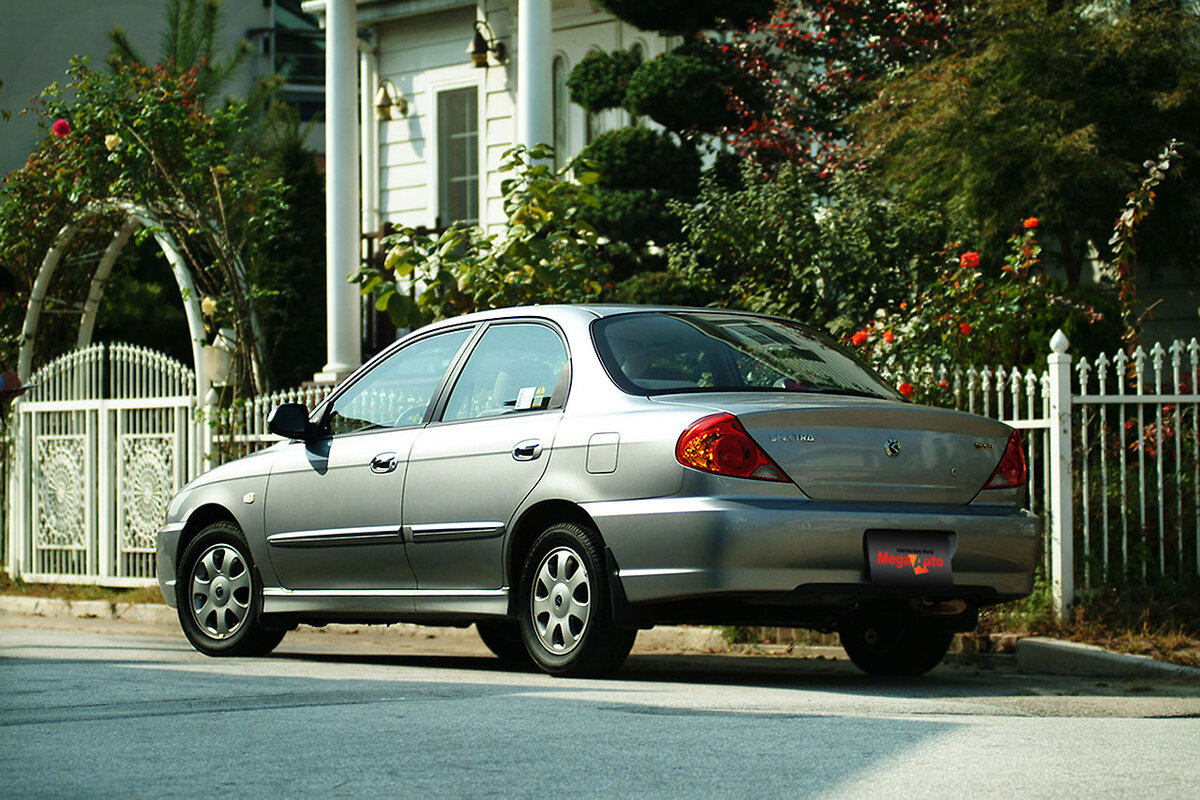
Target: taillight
{"x": 1010, "y": 472}
{"x": 719, "y": 444}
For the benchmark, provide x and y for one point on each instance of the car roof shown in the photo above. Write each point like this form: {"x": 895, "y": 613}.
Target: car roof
{"x": 566, "y": 311}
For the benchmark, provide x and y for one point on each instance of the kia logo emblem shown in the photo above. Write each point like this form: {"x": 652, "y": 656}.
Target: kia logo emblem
{"x": 892, "y": 448}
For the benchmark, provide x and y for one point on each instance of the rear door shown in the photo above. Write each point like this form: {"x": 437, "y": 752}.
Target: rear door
{"x": 469, "y": 471}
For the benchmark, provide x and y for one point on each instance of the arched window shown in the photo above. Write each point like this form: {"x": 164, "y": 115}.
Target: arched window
{"x": 558, "y": 82}
{"x": 639, "y": 50}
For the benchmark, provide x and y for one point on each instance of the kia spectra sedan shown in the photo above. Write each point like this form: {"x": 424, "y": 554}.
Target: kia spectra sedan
{"x": 562, "y": 476}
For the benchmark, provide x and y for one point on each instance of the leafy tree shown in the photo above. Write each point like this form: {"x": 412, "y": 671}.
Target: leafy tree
{"x": 1048, "y": 109}
{"x": 812, "y": 63}
{"x": 189, "y": 39}
{"x": 819, "y": 251}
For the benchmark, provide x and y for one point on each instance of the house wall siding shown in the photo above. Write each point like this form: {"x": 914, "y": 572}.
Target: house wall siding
{"x": 423, "y": 55}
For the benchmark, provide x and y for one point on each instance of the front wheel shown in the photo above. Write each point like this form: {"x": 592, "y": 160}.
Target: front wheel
{"x": 896, "y": 643}
{"x": 565, "y": 613}
{"x": 219, "y": 597}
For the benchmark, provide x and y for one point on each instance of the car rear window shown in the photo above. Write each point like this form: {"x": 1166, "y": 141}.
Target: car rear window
{"x": 697, "y": 351}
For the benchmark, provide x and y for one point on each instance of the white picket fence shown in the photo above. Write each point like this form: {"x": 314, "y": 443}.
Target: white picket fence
{"x": 1113, "y": 444}
{"x": 1114, "y": 451}
{"x": 242, "y": 429}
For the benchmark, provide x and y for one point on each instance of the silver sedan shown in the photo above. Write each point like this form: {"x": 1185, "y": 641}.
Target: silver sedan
{"x": 562, "y": 476}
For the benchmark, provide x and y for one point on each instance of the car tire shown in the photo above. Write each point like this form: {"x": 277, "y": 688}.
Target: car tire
{"x": 219, "y": 595}
{"x": 565, "y": 610}
{"x": 504, "y": 639}
{"x": 894, "y": 643}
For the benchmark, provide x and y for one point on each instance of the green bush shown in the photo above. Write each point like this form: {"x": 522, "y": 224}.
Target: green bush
{"x": 599, "y": 81}
{"x": 639, "y": 158}
{"x": 819, "y": 250}
{"x": 684, "y": 90}
{"x": 634, "y": 217}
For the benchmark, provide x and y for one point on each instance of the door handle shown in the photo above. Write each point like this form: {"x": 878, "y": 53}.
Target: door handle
{"x": 527, "y": 450}
{"x": 384, "y": 463}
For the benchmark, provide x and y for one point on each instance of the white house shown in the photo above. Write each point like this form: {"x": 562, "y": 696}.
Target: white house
{"x": 453, "y": 114}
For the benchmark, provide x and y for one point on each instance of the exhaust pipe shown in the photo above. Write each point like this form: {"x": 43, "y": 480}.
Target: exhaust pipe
{"x": 929, "y": 607}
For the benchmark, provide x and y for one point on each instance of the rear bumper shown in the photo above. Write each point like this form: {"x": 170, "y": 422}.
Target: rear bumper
{"x": 681, "y": 548}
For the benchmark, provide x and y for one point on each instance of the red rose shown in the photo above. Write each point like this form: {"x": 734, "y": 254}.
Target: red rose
{"x": 1031, "y": 222}
{"x": 965, "y": 329}
{"x": 906, "y": 389}
{"x": 888, "y": 336}
{"x": 969, "y": 260}
{"x": 859, "y": 338}
{"x": 61, "y": 127}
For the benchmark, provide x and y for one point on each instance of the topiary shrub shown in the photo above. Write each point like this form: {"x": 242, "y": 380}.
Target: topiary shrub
{"x": 639, "y": 158}
{"x": 598, "y": 82}
{"x": 634, "y": 217}
{"x": 684, "y": 90}
{"x": 689, "y": 16}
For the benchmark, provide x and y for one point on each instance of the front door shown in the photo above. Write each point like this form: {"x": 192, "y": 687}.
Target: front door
{"x": 333, "y": 504}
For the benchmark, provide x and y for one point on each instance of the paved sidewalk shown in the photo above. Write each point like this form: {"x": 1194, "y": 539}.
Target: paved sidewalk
{"x": 1033, "y": 654}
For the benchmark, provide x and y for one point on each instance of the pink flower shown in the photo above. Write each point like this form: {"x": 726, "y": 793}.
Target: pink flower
{"x": 1030, "y": 222}
{"x": 905, "y": 389}
{"x": 969, "y": 260}
{"x": 965, "y": 329}
{"x": 61, "y": 127}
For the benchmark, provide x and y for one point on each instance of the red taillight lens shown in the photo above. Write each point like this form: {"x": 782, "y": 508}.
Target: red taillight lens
{"x": 1010, "y": 472}
{"x": 719, "y": 444}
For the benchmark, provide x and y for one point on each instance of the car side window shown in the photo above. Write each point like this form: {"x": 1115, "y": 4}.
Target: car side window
{"x": 514, "y": 369}
{"x": 397, "y": 392}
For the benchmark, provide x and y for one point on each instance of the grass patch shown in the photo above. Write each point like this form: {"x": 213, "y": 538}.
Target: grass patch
{"x": 70, "y": 591}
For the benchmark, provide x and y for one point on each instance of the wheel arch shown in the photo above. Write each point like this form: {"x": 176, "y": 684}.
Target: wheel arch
{"x": 529, "y": 524}
{"x": 197, "y": 521}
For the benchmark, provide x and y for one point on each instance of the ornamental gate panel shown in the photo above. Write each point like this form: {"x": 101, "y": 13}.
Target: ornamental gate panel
{"x": 103, "y": 440}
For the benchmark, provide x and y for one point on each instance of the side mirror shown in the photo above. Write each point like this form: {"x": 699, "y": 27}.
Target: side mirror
{"x": 289, "y": 420}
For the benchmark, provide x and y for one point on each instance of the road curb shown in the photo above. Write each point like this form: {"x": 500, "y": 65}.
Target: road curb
{"x": 1033, "y": 654}
{"x": 668, "y": 637}
{"x": 1057, "y": 657}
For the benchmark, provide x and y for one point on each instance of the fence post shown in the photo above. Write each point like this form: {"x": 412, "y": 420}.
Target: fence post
{"x": 1062, "y": 541}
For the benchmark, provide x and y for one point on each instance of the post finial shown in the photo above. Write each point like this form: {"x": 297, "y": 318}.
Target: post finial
{"x": 1058, "y": 342}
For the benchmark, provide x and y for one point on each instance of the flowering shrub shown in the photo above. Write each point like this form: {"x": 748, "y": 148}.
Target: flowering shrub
{"x": 139, "y": 136}
{"x": 965, "y": 317}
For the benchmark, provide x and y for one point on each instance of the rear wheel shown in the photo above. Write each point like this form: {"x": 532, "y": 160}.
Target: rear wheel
{"x": 565, "y": 612}
{"x": 504, "y": 640}
{"x": 219, "y": 596}
{"x": 894, "y": 643}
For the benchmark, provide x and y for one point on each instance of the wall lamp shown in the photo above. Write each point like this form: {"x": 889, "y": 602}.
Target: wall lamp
{"x": 480, "y": 46}
{"x": 389, "y": 103}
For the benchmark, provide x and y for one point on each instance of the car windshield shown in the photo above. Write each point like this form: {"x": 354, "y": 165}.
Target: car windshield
{"x": 698, "y": 351}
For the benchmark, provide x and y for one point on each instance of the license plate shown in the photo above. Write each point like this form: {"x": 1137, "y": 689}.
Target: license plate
{"x": 916, "y": 560}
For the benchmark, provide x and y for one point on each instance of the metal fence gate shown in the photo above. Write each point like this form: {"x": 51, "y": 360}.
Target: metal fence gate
{"x": 102, "y": 442}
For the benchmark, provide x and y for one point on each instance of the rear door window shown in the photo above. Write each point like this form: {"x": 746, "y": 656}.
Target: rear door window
{"x": 516, "y": 368}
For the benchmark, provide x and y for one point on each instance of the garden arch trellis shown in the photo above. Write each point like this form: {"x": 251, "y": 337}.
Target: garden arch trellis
{"x": 135, "y": 217}
{"x": 110, "y": 432}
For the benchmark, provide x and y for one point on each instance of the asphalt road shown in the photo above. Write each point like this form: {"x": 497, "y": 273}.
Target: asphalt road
{"x": 110, "y": 709}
